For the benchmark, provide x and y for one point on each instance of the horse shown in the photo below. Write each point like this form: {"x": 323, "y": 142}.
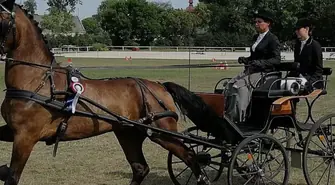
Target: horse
{"x": 34, "y": 111}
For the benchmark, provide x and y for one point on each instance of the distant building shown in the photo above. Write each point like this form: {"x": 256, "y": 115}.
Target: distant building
{"x": 77, "y": 28}
{"x": 190, "y": 7}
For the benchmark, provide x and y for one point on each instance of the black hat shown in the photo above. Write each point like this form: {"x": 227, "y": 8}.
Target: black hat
{"x": 303, "y": 22}
{"x": 263, "y": 14}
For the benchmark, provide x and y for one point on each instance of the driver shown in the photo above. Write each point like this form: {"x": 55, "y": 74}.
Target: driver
{"x": 265, "y": 54}
{"x": 308, "y": 53}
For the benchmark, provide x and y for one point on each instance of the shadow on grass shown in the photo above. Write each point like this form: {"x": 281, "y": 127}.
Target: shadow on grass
{"x": 153, "y": 178}
{"x": 156, "y": 178}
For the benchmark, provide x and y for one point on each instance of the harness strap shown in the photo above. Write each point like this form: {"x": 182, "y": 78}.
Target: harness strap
{"x": 144, "y": 99}
{"x": 161, "y": 103}
{"x": 60, "y": 133}
{"x": 44, "y": 100}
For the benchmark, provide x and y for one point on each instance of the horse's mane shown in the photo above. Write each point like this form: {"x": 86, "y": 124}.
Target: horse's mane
{"x": 38, "y": 29}
{"x": 45, "y": 41}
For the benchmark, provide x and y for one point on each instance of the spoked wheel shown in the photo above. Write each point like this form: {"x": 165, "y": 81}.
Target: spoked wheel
{"x": 259, "y": 159}
{"x": 210, "y": 159}
{"x": 221, "y": 85}
{"x": 319, "y": 152}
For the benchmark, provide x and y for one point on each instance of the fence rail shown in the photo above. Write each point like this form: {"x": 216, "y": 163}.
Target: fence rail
{"x": 75, "y": 49}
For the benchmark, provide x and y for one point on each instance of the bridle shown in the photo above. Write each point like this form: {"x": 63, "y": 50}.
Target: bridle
{"x": 10, "y": 25}
{"x": 6, "y": 27}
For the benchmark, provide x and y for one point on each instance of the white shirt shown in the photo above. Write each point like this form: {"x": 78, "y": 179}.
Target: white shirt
{"x": 303, "y": 42}
{"x": 259, "y": 39}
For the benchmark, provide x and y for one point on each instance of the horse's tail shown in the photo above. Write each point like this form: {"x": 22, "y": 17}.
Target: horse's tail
{"x": 201, "y": 114}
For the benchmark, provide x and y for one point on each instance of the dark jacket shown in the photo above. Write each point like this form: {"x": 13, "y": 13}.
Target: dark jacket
{"x": 310, "y": 59}
{"x": 266, "y": 55}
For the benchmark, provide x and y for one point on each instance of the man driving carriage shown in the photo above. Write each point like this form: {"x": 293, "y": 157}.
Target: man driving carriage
{"x": 265, "y": 54}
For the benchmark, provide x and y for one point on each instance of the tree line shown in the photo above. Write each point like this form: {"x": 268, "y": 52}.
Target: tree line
{"x": 216, "y": 23}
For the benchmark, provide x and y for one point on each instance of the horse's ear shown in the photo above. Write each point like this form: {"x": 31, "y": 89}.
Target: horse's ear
{"x": 9, "y": 4}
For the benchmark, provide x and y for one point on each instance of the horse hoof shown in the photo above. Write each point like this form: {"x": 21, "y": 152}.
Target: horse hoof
{"x": 202, "y": 180}
{"x": 4, "y": 172}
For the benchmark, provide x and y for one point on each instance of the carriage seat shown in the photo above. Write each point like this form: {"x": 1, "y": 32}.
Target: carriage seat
{"x": 270, "y": 81}
{"x": 327, "y": 71}
{"x": 272, "y": 93}
{"x": 276, "y": 92}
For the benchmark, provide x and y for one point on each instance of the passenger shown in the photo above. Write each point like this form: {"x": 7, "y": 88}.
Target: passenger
{"x": 308, "y": 53}
{"x": 265, "y": 54}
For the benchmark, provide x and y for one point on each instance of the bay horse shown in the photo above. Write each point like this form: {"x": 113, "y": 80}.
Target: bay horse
{"x": 33, "y": 110}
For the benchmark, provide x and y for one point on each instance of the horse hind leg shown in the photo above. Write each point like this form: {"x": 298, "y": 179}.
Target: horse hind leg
{"x": 179, "y": 149}
{"x": 131, "y": 141}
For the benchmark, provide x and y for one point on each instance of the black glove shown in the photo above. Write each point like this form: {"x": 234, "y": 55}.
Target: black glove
{"x": 308, "y": 88}
{"x": 242, "y": 60}
{"x": 255, "y": 64}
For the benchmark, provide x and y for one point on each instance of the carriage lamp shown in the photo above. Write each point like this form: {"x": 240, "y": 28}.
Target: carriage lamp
{"x": 295, "y": 88}
{"x": 293, "y": 85}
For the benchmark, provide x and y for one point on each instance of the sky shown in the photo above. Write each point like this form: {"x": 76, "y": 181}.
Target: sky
{"x": 89, "y": 7}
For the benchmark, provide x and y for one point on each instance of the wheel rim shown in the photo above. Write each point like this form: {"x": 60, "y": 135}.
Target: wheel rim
{"x": 260, "y": 160}
{"x": 210, "y": 160}
{"x": 319, "y": 153}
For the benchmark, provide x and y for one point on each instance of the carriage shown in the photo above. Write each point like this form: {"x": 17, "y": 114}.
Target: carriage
{"x": 272, "y": 123}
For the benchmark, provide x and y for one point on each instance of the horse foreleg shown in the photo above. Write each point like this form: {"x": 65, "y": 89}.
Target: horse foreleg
{"x": 6, "y": 134}
{"x": 131, "y": 141}
{"x": 22, "y": 147}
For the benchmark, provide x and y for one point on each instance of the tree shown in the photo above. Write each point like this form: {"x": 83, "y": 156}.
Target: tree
{"x": 58, "y": 22}
{"x": 63, "y": 5}
{"x": 179, "y": 27}
{"x": 131, "y": 21}
{"x": 325, "y": 25}
{"x": 212, "y": 23}
{"x": 30, "y": 6}
{"x": 95, "y": 32}
{"x": 233, "y": 19}
{"x": 59, "y": 19}
{"x": 91, "y": 25}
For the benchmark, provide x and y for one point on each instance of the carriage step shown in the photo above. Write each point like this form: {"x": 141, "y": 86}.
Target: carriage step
{"x": 126, "y": 124}
{"x": 305, "y": 126}
{"x": 296, "y": 159}
{"x": 249, "y": 130}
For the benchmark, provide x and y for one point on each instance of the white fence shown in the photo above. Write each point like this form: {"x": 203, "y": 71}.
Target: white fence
{"x": 176, "y": 55}
{"x": 195, "y": 53}
{"x": 71, "y": 49}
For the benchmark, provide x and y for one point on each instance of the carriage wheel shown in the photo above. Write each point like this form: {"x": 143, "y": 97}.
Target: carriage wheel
{"x": 210, "y": 159}
{"x": 319, "y": 152}
{"x": 221, "y": 85}
{"x": 259, "y": 159}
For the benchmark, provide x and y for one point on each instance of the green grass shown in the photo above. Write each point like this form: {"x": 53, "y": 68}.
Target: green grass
{"x": 100, "y": 160}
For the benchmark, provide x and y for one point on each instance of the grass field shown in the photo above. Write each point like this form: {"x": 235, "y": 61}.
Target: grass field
{"x": 100, "y": 160}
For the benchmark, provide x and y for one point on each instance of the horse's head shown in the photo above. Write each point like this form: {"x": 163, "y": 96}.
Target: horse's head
{"x": 20, "y": 35}
{"x": 7, "y": 26}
